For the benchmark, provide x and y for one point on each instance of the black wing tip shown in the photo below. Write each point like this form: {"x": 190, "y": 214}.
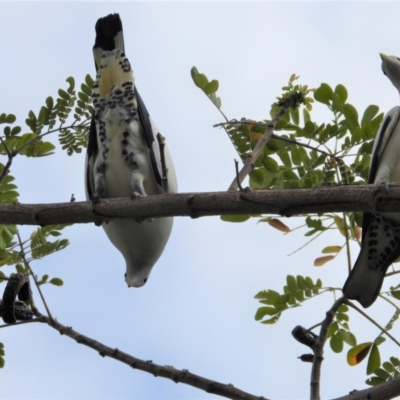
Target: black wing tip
{"x": 106, "y": 30}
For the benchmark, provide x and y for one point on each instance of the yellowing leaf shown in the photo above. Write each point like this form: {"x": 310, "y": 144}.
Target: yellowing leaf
{"x": 357, "y": 353}
{"x": 278, "y": 224}
{"x": 340, "y": 224}
{"x": 332, "y": 249}
{"x": 318, "y": 262}
{"x": 255, "y": 137}
{"x": 358, "y": 233}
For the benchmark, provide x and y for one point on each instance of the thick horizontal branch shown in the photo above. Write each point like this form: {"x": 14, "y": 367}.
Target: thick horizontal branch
{"x": 385, "y": 391}
{"x": 285, "y": 202}
{"x": 164, "y": 371}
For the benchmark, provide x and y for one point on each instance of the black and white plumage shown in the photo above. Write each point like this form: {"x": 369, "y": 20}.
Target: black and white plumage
{"x": 123, "y": 155}
{"x": 380, "y": 231}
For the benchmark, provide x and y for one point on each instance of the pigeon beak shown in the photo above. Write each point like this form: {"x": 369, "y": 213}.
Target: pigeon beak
{"x": 383, "y": 56}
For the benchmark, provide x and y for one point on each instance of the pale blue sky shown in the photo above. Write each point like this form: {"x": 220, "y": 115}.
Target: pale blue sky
{"x": 197, "y": 309}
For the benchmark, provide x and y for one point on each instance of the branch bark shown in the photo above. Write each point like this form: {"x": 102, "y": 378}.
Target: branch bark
{"x": 319, "y": 350}
{"x": 385, "y": 391}
{"x": 287, "y": 202}
{"x": 164, "y": 371}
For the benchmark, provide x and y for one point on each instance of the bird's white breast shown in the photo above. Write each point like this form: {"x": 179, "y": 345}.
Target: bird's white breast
{"x": 124, "y": 145}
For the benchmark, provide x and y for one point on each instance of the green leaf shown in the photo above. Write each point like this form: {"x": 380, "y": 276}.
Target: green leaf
{"x": 235, "y": 218}
{"x": 381, "y": 373}
{"x": 15, "y": 130}
{"x": 369, "y": 114}
{"x": 348, "y": 337}
{"x": 89, "y": 81}
{"x": 333, "y": 328}
{"x": 296, "y": 156}
{"x": 10, "y": 119}
{"x": 379, "y": 340}
{"x": 388, "y": 367}
{"x": 212, "y": 87}
{"x": 71, "y": 82}
{"x": 395, "y": 361}
{"x": 341, "y": 91}
{"x": 83, "y": 97}
{"x": 270, "y": 164}
{"x": 374, "y": 360}
{"x": 351, "y": 115}
{"x": 301, "y": 282}
{"x": 86, "y": 89}
{"x": 56, "y": 281}
{"x": 343, "y": 308}
{"x": 50, "y": 103}
{"x": 336, "y": 342}
{"x": 323, "y": 94}
{"x": 374, "y": 381}
{"x": 201, "y": 81}
{"x": 2, "y": 362}
{"x": 267, "y": 294}
{"x": 284, "y": 156}
{"x": 63, "y": 94}
{"x": 258, "y": 177}
{"x": 272, "y": 320}
{"x": 291, "y": 282}
{"x": 263, "y": 311}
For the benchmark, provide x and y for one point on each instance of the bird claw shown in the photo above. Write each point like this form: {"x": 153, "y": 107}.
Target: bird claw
{"x": 383, "y": 187}
{"x": 136, "y": 195}
{"x": 95, "y": 198}
{"x": 141, "y": 220}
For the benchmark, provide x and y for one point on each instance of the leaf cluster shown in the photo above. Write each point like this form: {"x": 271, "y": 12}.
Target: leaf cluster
{"x": 297, "y": 290}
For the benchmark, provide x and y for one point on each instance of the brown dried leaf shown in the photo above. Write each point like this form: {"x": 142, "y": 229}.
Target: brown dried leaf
{"x": 278, "y": 224}
{"x": 320, "y": 261}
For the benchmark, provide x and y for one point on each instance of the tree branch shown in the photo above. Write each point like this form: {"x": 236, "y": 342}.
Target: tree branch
{"x": 285, "y": 202}
{"x": 164, "y": 371}
{"x": 384, "y": 391}
{"x": 319, "y": 350}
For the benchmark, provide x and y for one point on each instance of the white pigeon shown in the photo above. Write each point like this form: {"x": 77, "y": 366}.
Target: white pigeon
{"x": 123, "y": 155}
{"x": 380, "y": 231}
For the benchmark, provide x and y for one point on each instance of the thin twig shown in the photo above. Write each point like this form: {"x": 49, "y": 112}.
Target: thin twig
{"x": 314, "y": 326}
{"x": 237, "y": 175}
{"x": 11, "y": 156}
{"x": 258, "y": 149}
{"x": 349, "y": 264}
{"x": 392, "y": 273}
{"x": 319, "y": 350}
{"x": 35, "y": 280}
{"x": 349, "y": 303}
{"x": 389, "y": 301}
{"x": 183, "y": 376}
